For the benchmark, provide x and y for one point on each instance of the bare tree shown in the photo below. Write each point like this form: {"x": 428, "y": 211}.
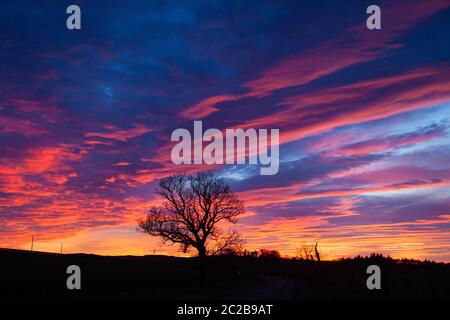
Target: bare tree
{"x": 308, "y": 252}
{"x": 316, "y": 252}
{"x": 193, "y": 208}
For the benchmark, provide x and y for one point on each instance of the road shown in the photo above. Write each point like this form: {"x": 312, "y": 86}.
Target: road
{"x": 271, "y": 288}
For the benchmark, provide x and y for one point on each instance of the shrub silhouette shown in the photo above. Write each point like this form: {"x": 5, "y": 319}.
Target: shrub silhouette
{"x": 269, "y": 254}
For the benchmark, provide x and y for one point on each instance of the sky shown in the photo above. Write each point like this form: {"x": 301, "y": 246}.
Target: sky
{"x": 364, "y": 118}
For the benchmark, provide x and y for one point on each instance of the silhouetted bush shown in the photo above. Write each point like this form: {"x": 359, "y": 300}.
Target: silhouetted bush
{"x": 269, "y": 254}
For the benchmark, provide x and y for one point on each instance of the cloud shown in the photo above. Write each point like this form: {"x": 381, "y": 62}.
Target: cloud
{"x": 384, "y": 144}
{"x": 294, "y": 192}
{"x": 353, "y": 47}
{"x": 121, "y": 134}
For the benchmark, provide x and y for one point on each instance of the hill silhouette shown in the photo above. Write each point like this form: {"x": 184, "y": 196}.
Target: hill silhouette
{"x": 38, "y": 275}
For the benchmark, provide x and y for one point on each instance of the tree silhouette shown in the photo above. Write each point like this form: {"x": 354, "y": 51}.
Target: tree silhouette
{"x": 308, "y": 252}
{"x": 270, "y": 254}
{"x": 193, "y": 208}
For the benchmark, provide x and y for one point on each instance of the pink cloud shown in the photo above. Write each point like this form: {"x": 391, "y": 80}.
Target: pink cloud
{"x": 328, "y": 57}
{"x": 121, "y": 134}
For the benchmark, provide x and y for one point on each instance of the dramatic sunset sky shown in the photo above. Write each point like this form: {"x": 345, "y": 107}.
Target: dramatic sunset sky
{"x": 364, "y": 118}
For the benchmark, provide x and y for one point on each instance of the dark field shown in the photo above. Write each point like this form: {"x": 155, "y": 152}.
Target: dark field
{"x": 43, "y": 276}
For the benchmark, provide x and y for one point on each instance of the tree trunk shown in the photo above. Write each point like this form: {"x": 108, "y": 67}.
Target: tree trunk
{"x": 202, "y": 264}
